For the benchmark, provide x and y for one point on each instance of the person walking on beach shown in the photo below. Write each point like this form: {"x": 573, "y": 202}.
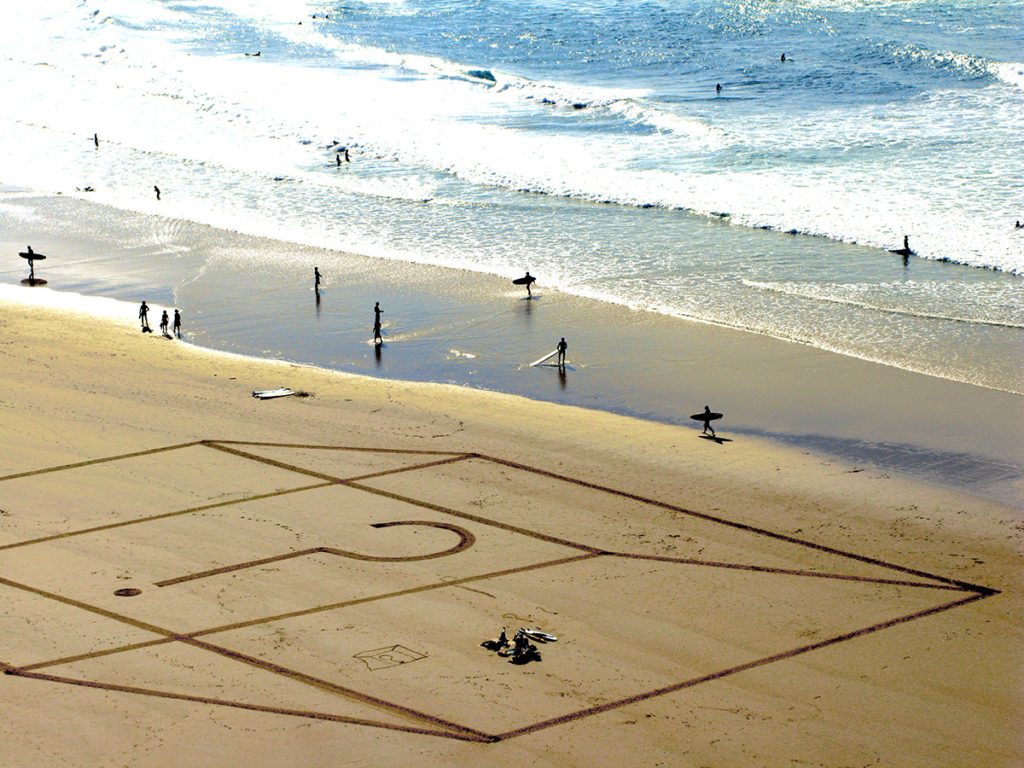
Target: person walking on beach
{"x": 707, "y": 421}
{"x": 377, "y": 339}
{"x": 316, "y": 279}
{"x": 164, "y": 322}
{"x": 144, "y": 318}
{"x": 177, "y": 323}
{"x": 562, "y": 346}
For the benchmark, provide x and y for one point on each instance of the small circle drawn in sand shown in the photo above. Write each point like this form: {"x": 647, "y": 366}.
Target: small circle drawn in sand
{"x": 127, "y": 592}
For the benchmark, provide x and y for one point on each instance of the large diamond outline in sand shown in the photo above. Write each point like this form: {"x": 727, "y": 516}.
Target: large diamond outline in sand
{"x": 369, "y": 471}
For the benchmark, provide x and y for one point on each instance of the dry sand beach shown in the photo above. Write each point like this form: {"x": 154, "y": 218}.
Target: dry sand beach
{"x": 307, "y": 581}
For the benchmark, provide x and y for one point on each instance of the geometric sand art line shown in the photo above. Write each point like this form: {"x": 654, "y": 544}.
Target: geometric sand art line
{"x": 304, "y": 580}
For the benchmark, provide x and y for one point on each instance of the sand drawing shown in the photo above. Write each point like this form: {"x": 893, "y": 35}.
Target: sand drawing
{"x": 400, "y": 574}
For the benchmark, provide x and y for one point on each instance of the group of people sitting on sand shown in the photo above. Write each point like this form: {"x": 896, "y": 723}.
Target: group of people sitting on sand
{"x": 521, "y": 650}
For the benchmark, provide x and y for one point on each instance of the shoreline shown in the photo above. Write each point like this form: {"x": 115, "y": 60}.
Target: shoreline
{"x": 479, "y": 332}
{"x": 106, "y": 422}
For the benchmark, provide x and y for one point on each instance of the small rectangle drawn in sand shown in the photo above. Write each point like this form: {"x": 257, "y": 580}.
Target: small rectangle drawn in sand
{"x": 391, "y": 656}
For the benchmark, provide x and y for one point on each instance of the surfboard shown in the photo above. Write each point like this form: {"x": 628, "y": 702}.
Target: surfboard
{"x": 267, "y": 394}
{"x": 536, "y": 634}
{"x": 706, "y": 416}
{"x": 524, "y": 280}
{"x": 32, "y": 256}
{"x": 542, "y": 359}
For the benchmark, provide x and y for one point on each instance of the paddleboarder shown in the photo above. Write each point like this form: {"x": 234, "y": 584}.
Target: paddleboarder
{"x": 177, "y": 323}
{"x": 144, "y": 318}
{"x": 562, "y": 346}
{"x": 707, "y": 421}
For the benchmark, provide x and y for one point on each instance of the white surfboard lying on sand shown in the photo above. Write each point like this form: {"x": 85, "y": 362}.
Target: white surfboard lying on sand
{"x": 267, "y": 394}
{"x": 546, "y": 357}
{"x": 536, "y": 634}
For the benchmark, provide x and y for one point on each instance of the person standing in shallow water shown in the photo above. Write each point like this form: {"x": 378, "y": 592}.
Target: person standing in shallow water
{"x": 562, "y": 346}
{"x": 377, "y": 339}
{"x": 316, "y": 278}
{"x": 177, "y": 324}
{"x": 144, "y": 317}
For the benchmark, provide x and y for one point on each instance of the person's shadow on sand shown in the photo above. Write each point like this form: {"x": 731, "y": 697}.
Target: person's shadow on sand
{"x": 715, "y": 439}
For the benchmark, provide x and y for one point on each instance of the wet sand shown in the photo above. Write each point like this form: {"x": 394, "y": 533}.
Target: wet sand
{"x": 254, "y": 296}
{"x": 737, "y": 604}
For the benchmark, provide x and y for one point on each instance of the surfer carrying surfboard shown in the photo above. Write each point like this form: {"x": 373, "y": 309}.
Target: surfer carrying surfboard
{"x": 526, "y": 280}
{"x": 707, "y": 417}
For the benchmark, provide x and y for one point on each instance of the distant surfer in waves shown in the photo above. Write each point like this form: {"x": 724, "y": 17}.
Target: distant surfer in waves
{"x": 782, "y": 58}
{"x": 96, "y": 140}
{"x": 562, "y": 346}
{"x": 718, "y": 88}
{"x": 157, "y": 190}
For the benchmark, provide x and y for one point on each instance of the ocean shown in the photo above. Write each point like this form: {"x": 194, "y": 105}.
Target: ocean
{"x": 747, "y": 164}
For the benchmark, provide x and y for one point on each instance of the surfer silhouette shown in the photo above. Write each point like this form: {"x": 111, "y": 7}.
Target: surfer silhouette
{"x": 177, "y": 324}
{"x": 316, "y": 279}
{"x": 376, "y": 324}
{"x": 526, "y": 280}
{"x": 157, "y": 190}
{"x": 144, "y": 318}
{"x": 718, "y": 88}
{"x": 562, "y": 346}
{"x": 905, "y": 251}
{"x": 337, "y": 159}
{"x": 96, "y": 140}
{"x": 164, "y": 322}
{"x": 708, "y": 416}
